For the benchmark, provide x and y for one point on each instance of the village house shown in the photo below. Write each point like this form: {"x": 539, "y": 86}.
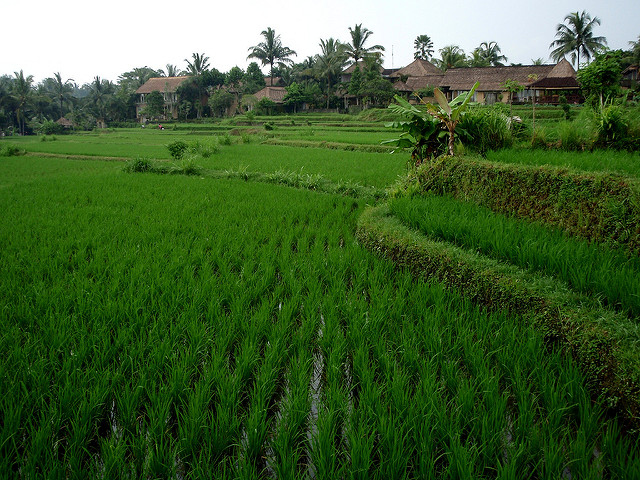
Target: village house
{"x": 168, "y": 87}
{"x": 544, "y": 82}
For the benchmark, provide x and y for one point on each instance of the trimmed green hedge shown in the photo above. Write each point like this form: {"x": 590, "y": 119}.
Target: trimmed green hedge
{"x": 599, "y": 207}
{"x": 330, "y": 145}
{"x": 598, "y": 339}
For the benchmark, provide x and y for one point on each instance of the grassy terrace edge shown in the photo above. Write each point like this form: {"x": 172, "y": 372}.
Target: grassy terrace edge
{"x": 598, "y": 206}
{"x": 565, "y": 318}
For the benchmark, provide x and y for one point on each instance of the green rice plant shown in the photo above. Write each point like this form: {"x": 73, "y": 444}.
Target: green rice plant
{"x": 225, "y": 140}
{"x": 589, "y": 268}
{"x": 188, "y": 166}
{"x": 203, "y": 149}
{"x": 139, "y": 165}
{"x": 153, "y": 320}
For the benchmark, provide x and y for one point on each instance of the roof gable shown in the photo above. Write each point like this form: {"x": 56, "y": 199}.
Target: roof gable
{"x": 418, "y": 68}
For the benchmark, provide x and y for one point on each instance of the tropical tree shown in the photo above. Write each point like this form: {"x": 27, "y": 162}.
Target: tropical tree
{"x": 423, "y": 46}
{"x": 491, "y": 52}
{"x": 576, "y": 38}
{"x": 477, "y": 59}
{"x": 253, "y": 79}
{"x": 172, "y": 71}
{"x": 600, "y": 79}
{"x": 198, "y": 65}
{"x": 356, "y": 50}
{"x": 271, "y": 51}
{"x": 512, "y": 86}
{"x": 62, "y": 90}
{"x": 22, "y": 93}
{"x": 100, "y": 97}
{"x": 330, "y": 62}
{"x": 635, "y": 51}
{"x": 452, "y": 56}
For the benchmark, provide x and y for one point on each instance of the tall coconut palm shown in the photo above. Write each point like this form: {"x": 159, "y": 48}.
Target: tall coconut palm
{"x": 491, "y": 52}
{"x": 172, "y": 71}
{"x": 330, "y": 62}
{"x": 271, "y": 51}
{"x": 576, "y": 38}
{"x": 356, "y": 49}
{"x": 423, "y": 46}
{"x": 62, "y": 90}
{"x": 635, "y": 51}
{"x": 452, "y": 56}
{"x": 199, "y": 65}
{"x": 22, "y": 93}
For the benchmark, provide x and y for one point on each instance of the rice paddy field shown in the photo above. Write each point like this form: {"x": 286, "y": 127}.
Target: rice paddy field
{"x": 197, "y": 326}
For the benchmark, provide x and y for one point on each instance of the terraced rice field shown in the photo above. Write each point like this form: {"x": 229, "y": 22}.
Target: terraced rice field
{"x": 170, "y": 326}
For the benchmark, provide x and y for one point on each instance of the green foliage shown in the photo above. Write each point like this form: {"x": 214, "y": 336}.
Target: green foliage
{"x": 265, "y": 106}
{"x": 484, "y": 129}
{"x": 611, "y": 127}
{"x": 139, "y": 165}
{"x": 420, "y": 132}
{"x": 177, "y": 149}
{"x": 220, "y": 101}
{"x": 154, "y": 104}
{"x": 600, "y": 80}
{"x": 51, "y": 128}
{"x": 11, "y": 151}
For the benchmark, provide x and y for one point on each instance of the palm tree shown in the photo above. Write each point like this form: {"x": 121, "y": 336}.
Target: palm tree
{"x": 330, "y": 63}
{"x": 172, "y": 70}
{"x": 199, "y": 65}
{"x": 635, "y": 51}
{"x": 577, "y": 38}
{"x": 62, "y": 90}
{"x": 356, "y": 49}
{"x": 271, "y": 51}
{"x": 478, "y": 59}
{"x": 424, "y": 47}
{"x": 22, "y": 93}
{"x": 452, "y": 56}
{"x": 101, "y": 91}
{"x": 491, "y": 52}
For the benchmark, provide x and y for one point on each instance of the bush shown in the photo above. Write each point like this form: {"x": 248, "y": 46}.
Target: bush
{"x": 571, "y": 137}
{"x": 205, "y": 150}
{"x": 540, "y": 138}
{"x": 611, "y": 127}
{"x": 225, "y": 139}
{"x": 484, "y": 129}
{"x": 177, "y": 149}
{"x": 51, "y": 128}
{"x": 138, "y": 165}
{"x": 11, "y": 151}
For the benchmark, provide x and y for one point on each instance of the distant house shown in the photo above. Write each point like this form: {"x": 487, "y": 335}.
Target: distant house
{"x": 65, "y": 123}
{"x": 168, "y": 86}
{"x": 545, "y": 82}
{"x": 275, "y": 94}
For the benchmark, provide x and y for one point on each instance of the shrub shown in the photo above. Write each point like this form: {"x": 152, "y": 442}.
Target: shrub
{"x": 485, "y": 129}
{"x": 188, "y": 166}
{"x": 139, "y": 165}
{"x": 51, "y": 128}
{"x": 611, "y": 127}
{"x": 11, "y": 151}
{"x": 540, "y": 138}
{"x": 225, "y": 139}
{"x": 204, "y": 149}
{"x": 571, "y": 136}
{"x": 177, "y": 149}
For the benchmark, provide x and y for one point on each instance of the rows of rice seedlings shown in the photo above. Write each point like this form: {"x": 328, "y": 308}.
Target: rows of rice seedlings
{"x": 180, "y": 327}
{"x": 587, "y": 267}
{"x": 624, "y": 163}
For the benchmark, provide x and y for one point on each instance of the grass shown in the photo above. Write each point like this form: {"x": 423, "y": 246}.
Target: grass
{"x": 198, "y": 326}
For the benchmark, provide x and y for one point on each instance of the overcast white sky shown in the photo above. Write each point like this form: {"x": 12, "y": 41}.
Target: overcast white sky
{"x": 83, "y": 39}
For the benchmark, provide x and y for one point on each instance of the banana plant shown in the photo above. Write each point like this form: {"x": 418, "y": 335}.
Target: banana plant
{"x": 424, "y": 131}
{"x": 420, "y": 132}
{"x": 449, "y": 114}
